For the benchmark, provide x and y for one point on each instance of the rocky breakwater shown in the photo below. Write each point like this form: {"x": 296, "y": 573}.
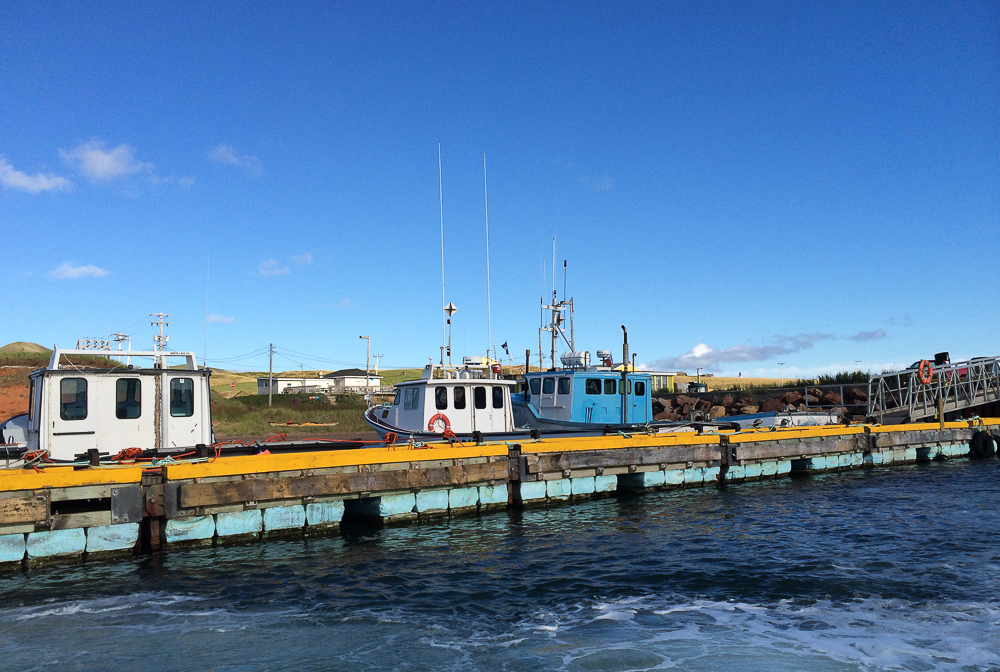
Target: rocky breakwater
{"x": 847, "y": 401}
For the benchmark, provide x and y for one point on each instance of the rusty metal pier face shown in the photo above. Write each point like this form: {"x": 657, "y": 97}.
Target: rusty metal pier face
{"x": 66, "y": 514}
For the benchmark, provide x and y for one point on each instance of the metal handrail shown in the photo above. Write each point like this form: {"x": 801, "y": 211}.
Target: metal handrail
{"x": 957, "y": 385}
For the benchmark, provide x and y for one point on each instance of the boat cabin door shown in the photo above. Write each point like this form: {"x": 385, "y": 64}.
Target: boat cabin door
{"x": 548, "y": 398}
{"x": 72, "y": 416}
{"x": 181, "y": 411}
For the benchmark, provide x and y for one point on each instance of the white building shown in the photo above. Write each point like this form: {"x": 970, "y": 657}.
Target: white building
{"x": 352, "y": 381}
{"x": 294, "y": 385}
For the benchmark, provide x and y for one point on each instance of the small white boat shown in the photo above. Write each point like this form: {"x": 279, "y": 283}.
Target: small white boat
{"x": 448, "y": 400}
{"x": 73, "y": 409}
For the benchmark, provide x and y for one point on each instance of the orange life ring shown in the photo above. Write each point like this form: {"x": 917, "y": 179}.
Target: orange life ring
{"x": 435, "y": 418}
{"x": 925, "y": 378}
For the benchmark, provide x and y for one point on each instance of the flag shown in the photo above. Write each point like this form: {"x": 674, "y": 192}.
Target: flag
{"x": 504, "y": 346}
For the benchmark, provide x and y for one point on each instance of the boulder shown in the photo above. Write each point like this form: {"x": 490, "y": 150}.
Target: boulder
{"x": 831, "y": 398}
{"x": 772, "y": 405}
{"x": 727, "y": 401}
{"x": 858, "y": 418}
{"x": 811, "y": 400}
{"x": 815, "y": 391}
{"x": 703, "y": 405}
{"x": 791, "y": 397}
{"x": 858, "y": 395}
{"x": 717, "y": 412}
{"x": 684, "y": 400}
{"x": 658, "y": 407}
{"x": 750, "y": 409}
{"x": 686, "y": 410}
{"x": 802, "y": 408}
{"x": 669, "y": 416}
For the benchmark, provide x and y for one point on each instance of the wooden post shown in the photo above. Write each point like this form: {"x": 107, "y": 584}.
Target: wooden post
{"x": 940, "y": 413}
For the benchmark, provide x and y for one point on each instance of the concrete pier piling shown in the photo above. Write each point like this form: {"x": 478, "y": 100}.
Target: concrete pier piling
{"x": 59, "y": 514}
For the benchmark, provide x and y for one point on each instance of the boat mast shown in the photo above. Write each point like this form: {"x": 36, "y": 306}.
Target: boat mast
{"x": 444, "y": 310}
{"x": 489, "y": 312}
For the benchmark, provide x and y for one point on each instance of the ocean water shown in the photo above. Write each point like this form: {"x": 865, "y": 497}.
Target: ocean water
{"x": 883, "y": 569}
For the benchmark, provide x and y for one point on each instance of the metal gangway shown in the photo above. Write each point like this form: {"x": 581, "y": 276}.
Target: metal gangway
{"x": 902, "y": 395}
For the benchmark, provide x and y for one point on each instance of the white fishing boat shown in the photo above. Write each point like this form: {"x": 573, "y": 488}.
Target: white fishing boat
{"x": 73, "y": 409}
{"x": 448, "y": 400}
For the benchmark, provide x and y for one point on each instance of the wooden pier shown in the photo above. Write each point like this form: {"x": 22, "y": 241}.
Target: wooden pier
{"x": 66, "y": 514}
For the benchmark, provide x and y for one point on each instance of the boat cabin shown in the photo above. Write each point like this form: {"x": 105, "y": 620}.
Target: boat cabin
{"x": 590, "y": 396}
{"x": 72, "y": 409}
{"x": 463, "y": 400}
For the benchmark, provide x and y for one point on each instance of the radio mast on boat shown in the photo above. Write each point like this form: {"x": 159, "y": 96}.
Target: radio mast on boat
{"x": 445, "y": 345}
{"x": 558, "y": 309}
{"x": 489, "y": 313}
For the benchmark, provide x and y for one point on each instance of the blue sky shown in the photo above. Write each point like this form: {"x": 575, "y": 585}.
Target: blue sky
{"x": 810, "y": 183}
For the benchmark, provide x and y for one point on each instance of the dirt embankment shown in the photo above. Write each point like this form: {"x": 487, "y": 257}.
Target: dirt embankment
{"x": 13, "y": 401}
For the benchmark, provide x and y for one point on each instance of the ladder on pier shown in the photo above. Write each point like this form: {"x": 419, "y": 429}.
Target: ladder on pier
{"x": 901, "y": 396}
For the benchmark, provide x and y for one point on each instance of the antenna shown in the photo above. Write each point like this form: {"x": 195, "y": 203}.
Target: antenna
{"x": 204, "y": 353}
{"x": 160, "y": 341}
{"x": 489, "y": 311}
{"x": 564, "y": 279}
{"x": 443, "y": 307}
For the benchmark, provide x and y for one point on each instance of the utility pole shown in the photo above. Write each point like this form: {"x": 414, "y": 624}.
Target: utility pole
{"x": 698, "y": 373}
{"x": 377, "y": 357}
{"x": 782, "y": 365}
{"x": 160, "y": 341}
{"x": 270, "y": 371}
{"x": 368, "y": 359}
{"x": 858, "y": 362}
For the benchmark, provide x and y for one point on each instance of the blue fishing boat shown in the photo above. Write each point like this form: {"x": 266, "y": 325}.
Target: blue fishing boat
{"x": 583, "y": 398}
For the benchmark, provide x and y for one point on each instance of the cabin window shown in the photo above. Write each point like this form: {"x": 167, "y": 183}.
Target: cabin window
{"x": 128, "y": 398}
{"x": 564, "y": 386}
{"x": 497, "y": 397}
{"x": 609, "y": 385}
{"x": 459, "y": 398}
{"x": 72, "y": 398}
{"x": 479, "y": 396}
{"x": 640, "y": 388}
{"x": 621, "y": 388}
{"x": 536, "y": 385}
{"x": 416, "y": 398}
{"x": 441, "y": 397}
{"x": 408, "y": 399}
{"x": 31, "y": 401}
{"x": 593, "y": 386}
{"x": 395, "y": 400}
{"x": 548, "y": 386}
{"x": 181, "y": 397}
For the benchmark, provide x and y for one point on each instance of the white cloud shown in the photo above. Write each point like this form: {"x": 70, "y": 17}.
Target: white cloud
{"x": 67, "y": 271}
{"x": 215, "y": 317}
{"x": 707, "y": 358}
{"x": 345, "y": 303}
{"x": 270, "y": 267}
{"x": 223, "y": 153}
{"x": 306, "y": 258}
{"x": 15, "y": 179}
{"x": 863, "y": 336}
{"x": 98, "y": 164}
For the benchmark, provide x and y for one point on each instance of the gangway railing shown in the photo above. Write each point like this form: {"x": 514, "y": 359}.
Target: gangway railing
{"x": 956, "y": 386}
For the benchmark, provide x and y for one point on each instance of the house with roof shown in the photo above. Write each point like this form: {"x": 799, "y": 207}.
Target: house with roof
{"x": 352, "y": 381}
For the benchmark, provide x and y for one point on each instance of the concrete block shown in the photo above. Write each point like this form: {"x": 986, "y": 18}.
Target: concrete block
{"x": 911, "y": 454}
{"x": 582, "y": 486}
{"x": 532, "y": 490}
{"x": 857, "y": 459}
{"x": 463, "y": 499}
{"x": 428, "y": 501}
{"x": 193, "y": 530}
{"x": 239, "y": 523}
{"x": 711, "y": 474}
{"x": 736, "y": 473}
{"x": 284, "y": 518}
{"x": 496, "y": 495}
{"x": 673, "y": 477}
{"x": 111, "y": 538}
{"x": 844, "y": 460}
{"x": 694, "y": 476}
{"x": 784, "y": 467}
{"x": 606, "y": 483}
{"x": 769, "y": 468}
{"x": 324, "y": 513}
{"x": 557, "y": 489}
{"x": 11, "y": 547}
{"x": 752, "y": 470}
{"x": 56, "y": 543}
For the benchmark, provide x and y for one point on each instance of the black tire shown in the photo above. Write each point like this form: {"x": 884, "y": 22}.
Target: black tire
{"x": 976, "y": 444}
{"x": 989, "y": 445}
